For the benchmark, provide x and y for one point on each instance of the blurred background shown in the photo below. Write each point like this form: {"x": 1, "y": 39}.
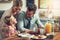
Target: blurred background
{"x": 47, "y": 9}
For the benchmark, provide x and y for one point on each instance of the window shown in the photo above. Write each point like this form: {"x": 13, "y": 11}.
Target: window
{"x": 52, "y": 6}
{"x": 44, "y": 4}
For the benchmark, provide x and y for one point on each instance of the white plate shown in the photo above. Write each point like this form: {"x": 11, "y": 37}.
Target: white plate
{"x": 25, "y": 35}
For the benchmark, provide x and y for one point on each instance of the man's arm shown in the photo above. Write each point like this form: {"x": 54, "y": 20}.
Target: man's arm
{"x": 20, "y": 23}
{"x": 40, "y": 24}
{"x": 21, "y": 27}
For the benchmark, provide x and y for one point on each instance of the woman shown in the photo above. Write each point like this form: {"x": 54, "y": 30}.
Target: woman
{"x": 16, "y": 8}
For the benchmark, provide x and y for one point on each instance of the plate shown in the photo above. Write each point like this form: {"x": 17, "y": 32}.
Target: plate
{"x": 25, "y": 35}
{"x": 38, "y": 37}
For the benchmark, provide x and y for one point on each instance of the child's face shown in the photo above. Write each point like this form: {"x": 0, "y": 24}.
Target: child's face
{"x": 13, "y": 20}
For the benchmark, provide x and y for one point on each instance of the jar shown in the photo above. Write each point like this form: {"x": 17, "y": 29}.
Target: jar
{"x": 48, "y": 28}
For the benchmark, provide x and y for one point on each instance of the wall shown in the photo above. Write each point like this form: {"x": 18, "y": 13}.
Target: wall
{"x": 5, "y": 6}
{"x": 36, "y": 2}
{"x": 24, "y": 5}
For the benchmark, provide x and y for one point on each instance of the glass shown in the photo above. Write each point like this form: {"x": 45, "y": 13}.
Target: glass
{"x": 56, "y": 28}
{"x": 48, "y": 28}
{"x": 42, "y": 31}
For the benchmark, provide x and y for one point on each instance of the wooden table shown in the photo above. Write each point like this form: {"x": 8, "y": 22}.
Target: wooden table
{"x": 56, "y": 37}
{"x": 13, "y": 38}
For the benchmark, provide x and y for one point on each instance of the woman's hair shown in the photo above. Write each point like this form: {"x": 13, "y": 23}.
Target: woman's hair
{"x": 18, "y": 3}
{"x": 7, "y": 20}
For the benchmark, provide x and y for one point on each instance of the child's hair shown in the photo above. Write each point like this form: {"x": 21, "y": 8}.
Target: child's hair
{"x": 7, "y": 20}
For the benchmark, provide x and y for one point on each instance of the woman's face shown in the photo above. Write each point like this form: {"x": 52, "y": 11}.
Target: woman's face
{"x": 16, "y": 9}
{"x": 13, "y": 20}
